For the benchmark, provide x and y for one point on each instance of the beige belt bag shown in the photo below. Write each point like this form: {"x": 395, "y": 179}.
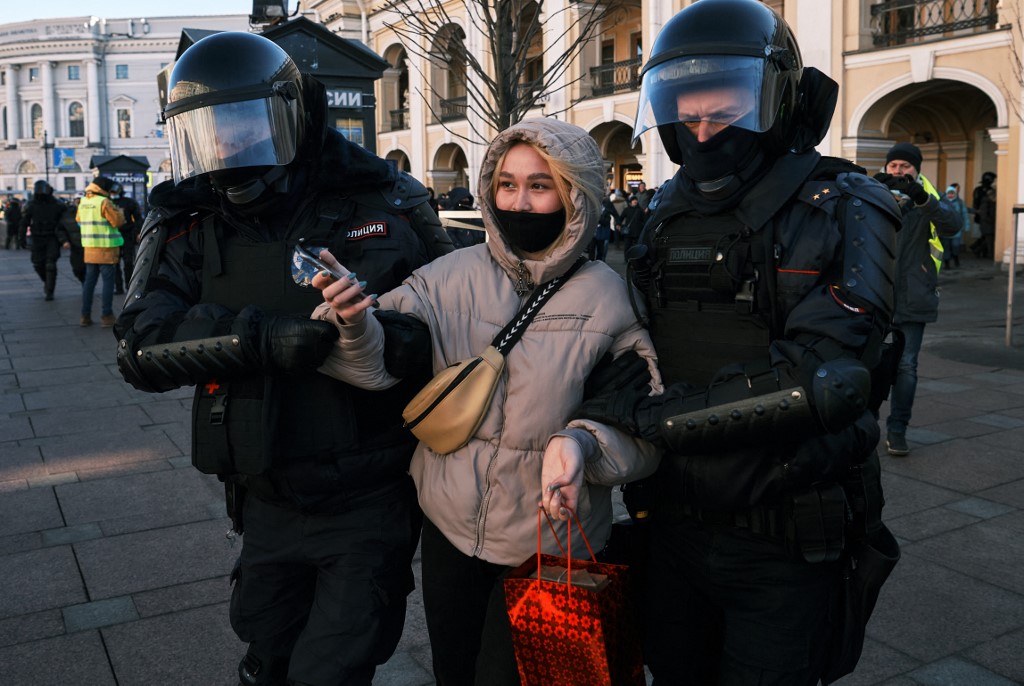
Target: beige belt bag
{"x": 449, "y": 409}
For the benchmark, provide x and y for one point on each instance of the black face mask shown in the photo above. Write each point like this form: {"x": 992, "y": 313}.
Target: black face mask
{"x": 530, "y": 231}
{"x": 725, "y": 154}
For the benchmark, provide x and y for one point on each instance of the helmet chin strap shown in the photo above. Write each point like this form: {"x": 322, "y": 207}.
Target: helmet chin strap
{"x": 276, "y": 178}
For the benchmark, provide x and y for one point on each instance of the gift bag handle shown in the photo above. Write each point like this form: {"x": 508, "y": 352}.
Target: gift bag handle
{"x": 568, "y": 555}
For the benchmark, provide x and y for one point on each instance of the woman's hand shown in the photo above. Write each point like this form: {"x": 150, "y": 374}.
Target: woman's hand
{"x": 561, "y": 477}
{"x": 345, "y": 296}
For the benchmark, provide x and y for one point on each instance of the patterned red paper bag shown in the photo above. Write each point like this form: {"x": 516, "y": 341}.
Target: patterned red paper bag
{"x": 571, "y": 636}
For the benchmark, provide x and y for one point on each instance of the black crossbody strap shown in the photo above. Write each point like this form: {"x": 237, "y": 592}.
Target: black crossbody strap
{"x": 513, "y": 331}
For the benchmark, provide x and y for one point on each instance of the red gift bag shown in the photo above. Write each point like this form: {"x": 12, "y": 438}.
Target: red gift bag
{"x": 573, "y": 634}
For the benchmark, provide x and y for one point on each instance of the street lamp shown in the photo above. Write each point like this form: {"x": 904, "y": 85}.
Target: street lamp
{"x": 46, "y": 159}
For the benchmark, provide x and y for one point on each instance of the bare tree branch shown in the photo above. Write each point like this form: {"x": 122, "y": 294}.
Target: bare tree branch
{"x": 504, "y": 81}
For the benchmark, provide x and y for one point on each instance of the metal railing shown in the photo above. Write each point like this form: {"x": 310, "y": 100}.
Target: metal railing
{"x": 895, "y": 22}
{"x": 452, "y": 108}
{"x": 399, "y": 119}
{"x": 616, "y": 77}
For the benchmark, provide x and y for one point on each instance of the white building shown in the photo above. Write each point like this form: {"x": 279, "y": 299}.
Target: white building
{"x": 87, "y": 87}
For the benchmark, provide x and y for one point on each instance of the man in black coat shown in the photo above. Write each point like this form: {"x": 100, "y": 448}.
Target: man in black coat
{"x": 43, "y": 216}
{"x": 130, "y": 232}
{"x": 927, "y": 216}
{"x": 12, "y": 216}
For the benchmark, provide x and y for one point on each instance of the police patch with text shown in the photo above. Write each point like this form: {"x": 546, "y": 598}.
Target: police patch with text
{"x": 690, "y": 255}
{"x": 371, "y": 230}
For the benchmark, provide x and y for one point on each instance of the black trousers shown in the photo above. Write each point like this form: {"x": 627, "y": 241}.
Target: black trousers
{"x": 76, "y": 256}
{"x": 127, "y": 264}
{"x": 327, "y": 593}
{"x": 727, "y": 607}
{"x": 464, "y": 602}
{"x": 45, "y": 253}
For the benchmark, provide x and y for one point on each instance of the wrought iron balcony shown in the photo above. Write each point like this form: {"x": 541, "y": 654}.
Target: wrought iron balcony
{"x": 399, "y": 119}
{"x": 895, "y": 22}
{"x": 616, "y": 77}
{"x": 453, "y": 108}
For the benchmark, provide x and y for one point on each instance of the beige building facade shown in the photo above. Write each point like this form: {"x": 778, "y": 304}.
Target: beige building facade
{"x": 943, "y": 74}
{"x": 76, "y": 88}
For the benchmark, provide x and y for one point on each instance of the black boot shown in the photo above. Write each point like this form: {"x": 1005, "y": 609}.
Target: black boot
{"x": 50, "y": 283}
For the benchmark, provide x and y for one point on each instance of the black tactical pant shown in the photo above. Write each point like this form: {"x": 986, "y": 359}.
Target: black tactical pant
{"x": 327, "y": 592}
{"x": 127, "y": 265}
{"x": 45, "y": 253}
{"x": 725, "y": 606}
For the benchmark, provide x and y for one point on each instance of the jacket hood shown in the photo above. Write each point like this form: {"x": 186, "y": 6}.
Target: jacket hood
{"x": 96, "y": 190}
{"x": 565, "y": 142}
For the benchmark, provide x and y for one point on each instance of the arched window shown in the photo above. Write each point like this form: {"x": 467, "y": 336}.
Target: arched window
{"x": 76, "y": 120}
{"x": 448, "y": 73}
{"x": 124, "y": 123}
{"x": 36, "y": 117}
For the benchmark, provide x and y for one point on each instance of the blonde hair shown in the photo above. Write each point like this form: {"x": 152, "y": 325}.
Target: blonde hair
{"x": 563, "y": 173}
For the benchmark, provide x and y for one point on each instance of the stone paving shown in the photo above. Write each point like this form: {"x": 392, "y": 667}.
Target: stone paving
{"x": 114, "y": 562}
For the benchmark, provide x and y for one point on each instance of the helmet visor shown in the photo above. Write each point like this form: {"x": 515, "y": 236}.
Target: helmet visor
{"x": 230, "y": 135}
{"x": 720, "y": 89}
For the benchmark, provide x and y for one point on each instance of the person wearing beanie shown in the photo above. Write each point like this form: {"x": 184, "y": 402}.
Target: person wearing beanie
{"x": 926, "y": 220}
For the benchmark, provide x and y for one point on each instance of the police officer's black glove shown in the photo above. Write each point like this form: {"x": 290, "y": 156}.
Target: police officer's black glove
{"x": 906, "y": 185}
{"x": 614, "y": 389}
{"x": 285, "y": 344}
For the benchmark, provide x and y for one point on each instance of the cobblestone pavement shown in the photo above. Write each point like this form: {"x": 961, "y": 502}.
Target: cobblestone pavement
{"x": 114, "y": 563}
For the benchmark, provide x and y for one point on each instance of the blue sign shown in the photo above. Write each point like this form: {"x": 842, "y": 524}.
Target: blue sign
{"x": 64, "y": 158}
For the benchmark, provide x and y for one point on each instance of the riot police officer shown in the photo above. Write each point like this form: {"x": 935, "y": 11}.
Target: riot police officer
{"x": 316, "y": 471}
{"x": 43, "y": 216}
{"x": 768, "y": 274}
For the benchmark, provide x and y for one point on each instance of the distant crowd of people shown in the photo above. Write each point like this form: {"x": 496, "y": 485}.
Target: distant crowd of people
{"x": 99, "y": 229}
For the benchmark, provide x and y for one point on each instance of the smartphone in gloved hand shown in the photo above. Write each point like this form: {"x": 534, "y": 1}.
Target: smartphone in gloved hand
{"x": 306, "y": 264}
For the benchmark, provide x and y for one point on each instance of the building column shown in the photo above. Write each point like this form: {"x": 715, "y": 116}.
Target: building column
{"x": 92, "y": 107}
{"x": 1006, "y": 220}
{"x": 13, "y": 105}
{"x": 415, "y": 66}
{"x": 49, "y": 120}
{"x": 657, "y": 166}
{"x": 556, "y": 37}
{"x": 476, "y": 121}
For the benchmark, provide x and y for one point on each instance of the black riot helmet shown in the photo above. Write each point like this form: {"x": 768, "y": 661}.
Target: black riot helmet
{"x": 741, "y": 47}
{"x": 42, "y": 188}
{"x": 234, "y": 112}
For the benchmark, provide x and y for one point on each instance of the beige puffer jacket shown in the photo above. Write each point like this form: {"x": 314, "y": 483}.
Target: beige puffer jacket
{"x": 484, "y": 496}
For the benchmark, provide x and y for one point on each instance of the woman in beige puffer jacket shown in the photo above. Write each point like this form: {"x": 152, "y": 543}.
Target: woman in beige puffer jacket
{"x": 481, "y": 501}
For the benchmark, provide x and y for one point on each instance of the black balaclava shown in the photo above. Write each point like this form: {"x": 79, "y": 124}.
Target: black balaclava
{"x": 530, "y": 231}
{"x": 724, "y": 167}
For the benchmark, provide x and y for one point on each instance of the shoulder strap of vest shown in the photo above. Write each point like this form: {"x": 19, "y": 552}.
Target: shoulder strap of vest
{"x": 831, "y": 167}
{"x": 409, "y": 197}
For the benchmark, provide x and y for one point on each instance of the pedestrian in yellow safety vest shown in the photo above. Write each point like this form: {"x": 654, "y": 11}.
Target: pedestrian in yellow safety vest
{"x": 99, "y": 219}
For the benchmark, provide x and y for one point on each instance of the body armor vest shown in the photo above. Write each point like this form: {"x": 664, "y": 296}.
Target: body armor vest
{"x": 708, "y": 300}
{"x": 268, "y": 421}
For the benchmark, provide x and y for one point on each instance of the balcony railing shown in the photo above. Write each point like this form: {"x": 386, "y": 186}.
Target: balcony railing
{"x": 533, "y": 89}
{"x": 616, "y": 77}
{"x": 453, "y": 108}
{"x": 895, "y": 22}
{"x": 399, "y": 119}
